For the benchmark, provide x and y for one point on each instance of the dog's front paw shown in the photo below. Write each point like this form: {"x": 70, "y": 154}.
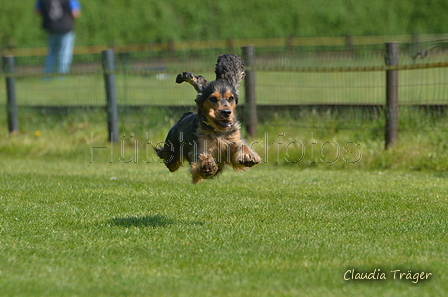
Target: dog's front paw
{"x": 249, "y": 160}
{"x": 206, "y": 166}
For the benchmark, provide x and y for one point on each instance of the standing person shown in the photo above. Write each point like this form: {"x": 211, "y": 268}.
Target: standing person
{"x": 58, "y": 20}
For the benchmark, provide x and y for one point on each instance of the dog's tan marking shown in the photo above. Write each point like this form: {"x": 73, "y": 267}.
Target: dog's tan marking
{"x": 229, "y": 95}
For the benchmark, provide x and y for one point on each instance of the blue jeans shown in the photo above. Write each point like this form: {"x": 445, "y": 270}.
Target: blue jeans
{"x": 60, "y": 52}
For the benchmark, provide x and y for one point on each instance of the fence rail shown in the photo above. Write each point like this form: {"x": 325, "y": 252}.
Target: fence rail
{"x": 352, "y": 69}
{"x": 289, "y": 42}
{"x": 311, "y": 76}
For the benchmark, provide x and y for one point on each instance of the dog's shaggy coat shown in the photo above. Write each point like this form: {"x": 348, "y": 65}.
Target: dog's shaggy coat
{"x": 210, "y": 138}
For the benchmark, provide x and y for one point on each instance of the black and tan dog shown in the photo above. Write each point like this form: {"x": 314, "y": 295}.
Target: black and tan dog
{"x": 210, "y": 138}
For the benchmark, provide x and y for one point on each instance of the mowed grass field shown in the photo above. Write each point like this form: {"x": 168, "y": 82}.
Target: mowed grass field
{"x": 73, "y": 228}
{"x": 69, "y": 227}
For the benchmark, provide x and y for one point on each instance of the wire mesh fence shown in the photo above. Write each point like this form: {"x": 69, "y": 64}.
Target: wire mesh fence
{"x": 310, "y": 86}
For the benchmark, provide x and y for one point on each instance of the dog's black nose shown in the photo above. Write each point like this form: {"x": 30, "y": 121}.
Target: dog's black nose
{"x": 226, "y": 113}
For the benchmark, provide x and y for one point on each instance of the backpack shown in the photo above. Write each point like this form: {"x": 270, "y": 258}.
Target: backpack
{"x": 57, "y": 16}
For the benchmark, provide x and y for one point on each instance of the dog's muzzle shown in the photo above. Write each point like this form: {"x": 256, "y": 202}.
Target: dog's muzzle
{"x": 226, "y": 113}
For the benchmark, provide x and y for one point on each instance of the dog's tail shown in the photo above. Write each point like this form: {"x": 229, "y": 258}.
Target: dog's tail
{"x": 230, "y": 68}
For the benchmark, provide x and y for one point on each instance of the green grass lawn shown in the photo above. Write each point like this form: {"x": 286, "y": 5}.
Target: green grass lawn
{"x": 73, "y": 228}
{"x": 287, "y": 227}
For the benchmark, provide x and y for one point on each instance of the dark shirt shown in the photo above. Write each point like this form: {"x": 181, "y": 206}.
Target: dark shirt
{"x": 57, "y": 15}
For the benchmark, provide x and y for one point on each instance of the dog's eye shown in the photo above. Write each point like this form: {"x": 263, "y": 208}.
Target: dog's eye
{"x": 213, "y": 99}
{"x": 231, "y": 99}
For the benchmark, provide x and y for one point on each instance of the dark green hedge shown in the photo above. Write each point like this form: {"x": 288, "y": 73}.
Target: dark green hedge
{"x": 140, "y": 21}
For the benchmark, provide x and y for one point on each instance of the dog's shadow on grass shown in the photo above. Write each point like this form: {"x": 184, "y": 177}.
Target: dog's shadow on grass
{"x": 154, "y": 221}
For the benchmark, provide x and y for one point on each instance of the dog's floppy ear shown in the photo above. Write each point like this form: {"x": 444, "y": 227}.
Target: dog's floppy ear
{"x": 198, "y": 82}
{"x": 230, "y": 68}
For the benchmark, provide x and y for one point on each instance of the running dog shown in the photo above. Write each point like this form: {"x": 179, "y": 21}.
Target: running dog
{"x": 210, "y": 138}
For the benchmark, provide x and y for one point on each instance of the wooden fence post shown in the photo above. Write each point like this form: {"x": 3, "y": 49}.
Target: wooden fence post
{"x": 391, "y": 94}
{"x": 249, "y": 85}
{"x": 11, "y": 101}
{"x": 289, "y": 44}
{"x": 230, "y": 43}
{"x": 111, "y": 97}
{"x": 349, "y": 41}
{"x": 171, "y": 47}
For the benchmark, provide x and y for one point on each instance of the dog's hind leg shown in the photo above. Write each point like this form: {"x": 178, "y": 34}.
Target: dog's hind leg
{"x": 172, "y": 159}
{"x": 204, "y": 168}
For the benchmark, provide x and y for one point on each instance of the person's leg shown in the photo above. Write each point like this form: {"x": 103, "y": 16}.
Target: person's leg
{"x": 66, "y": 52}
{"x": 52, "y": 53}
